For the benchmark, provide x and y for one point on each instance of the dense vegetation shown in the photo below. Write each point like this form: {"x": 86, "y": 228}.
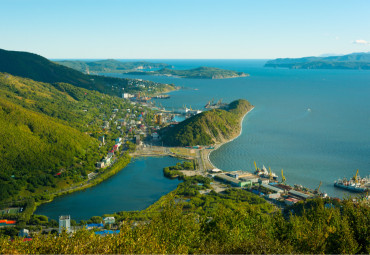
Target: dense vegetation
{"x": 196, "y": 73}
{"x": 34, "y": 148}
{"x": 38, "y": 68}
{"x": 49, "y": 129}
{"x": 208, "y": 127}
{"x": 109, "y": 65}
{"x": 318, "y": 229}
{"x": 350, "y": 61}
{"x": 173, "y": 171}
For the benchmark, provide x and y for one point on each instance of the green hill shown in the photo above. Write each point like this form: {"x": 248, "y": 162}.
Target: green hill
{"x": 35, "y": 147}
{"x": 38, "y": 68}
{"x": 209, "y": 127}
{"x": 196, "y": 73}
{"x": 109, "y": 65}
{"x": 350, "y": 61}
{"x": 43, "y": 130}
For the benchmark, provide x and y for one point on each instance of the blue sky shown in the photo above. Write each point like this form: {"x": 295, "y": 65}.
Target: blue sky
{"x": 199, "y": 29}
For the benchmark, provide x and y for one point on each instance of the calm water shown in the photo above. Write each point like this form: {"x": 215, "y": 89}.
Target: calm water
{"x": 327, "y": 142}
{"x": 136, "y": 187}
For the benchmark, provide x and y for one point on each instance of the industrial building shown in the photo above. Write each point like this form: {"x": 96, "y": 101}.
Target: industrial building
{"x": 65, "y": 223}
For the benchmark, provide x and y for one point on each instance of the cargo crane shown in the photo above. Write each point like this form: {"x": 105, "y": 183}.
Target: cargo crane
{"x": 255, "y": 165}
{"x": 283, "y": 179}
{"x": 355, "y": 177}
{"x": 270, "y": 174}
{"x": 318, "y": 188}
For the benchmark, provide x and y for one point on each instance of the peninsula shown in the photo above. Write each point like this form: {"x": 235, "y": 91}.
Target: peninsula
{"x": 196, "y": 73}
{"x": 109, "y": 66}
{"x": 350, "y": 61}
{"x": 209, "y": 127}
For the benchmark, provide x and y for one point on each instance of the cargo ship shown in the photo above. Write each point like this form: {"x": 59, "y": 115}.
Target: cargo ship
{"x": 264, "y": 173}
{"x": 355, "y": 184}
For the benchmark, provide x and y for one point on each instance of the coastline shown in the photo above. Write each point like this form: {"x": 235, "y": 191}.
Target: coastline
{"x": 217, "y": 146}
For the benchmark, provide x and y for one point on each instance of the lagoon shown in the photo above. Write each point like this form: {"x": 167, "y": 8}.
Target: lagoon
{"x": 135, "y": 187}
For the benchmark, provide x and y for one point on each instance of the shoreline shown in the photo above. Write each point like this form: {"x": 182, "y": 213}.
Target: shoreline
{"x": 220, "y": 144}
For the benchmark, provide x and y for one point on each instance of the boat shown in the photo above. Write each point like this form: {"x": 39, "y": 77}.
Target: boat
{"x": 265, "y": 174}
{"x": 355, "y": 184}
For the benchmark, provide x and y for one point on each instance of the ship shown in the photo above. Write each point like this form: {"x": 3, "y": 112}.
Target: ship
{"x": 355, "y": 184}
{"x": 162, "y": 97}
{"x": 265, "y": 174}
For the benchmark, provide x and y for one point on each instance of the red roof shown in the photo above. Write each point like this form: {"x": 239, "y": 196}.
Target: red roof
{"x": 58, "y": 173}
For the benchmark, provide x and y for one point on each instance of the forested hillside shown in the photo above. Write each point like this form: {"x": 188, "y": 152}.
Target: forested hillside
{"x": 38, "y": 68}
{"x": 34, "y": 148}
{"x": 109, "y": 65}
{"x": 44, "y": 131}
{"x": 350, "y": 61}
{"x": 209, "y": 127}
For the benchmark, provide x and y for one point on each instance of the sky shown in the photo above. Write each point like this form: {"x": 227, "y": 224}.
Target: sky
{"x": 184, "y": 29}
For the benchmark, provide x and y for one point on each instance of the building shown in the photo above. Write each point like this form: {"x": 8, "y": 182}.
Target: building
{"x": 298, "y": 194}
{"x": 100, "y": 165}
{"x": 137, "y": 139}
{"x": 101, "y": 139}
{"x": 65, "y": 223}
{"x": 272, "y": 188}
{"x": 290, "y": 201}
{"x": 24, "y": 233}
{"x": 232, "y": 181}
{"x": 109, "y": 220}
{"x": 127, "y": 95}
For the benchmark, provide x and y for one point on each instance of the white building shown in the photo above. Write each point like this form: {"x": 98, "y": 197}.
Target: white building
{"x": 65, "y": 223}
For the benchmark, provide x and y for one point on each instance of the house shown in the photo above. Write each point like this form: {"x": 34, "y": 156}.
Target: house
{"x": 109, "y": 220}
{"x": 107, "y": 161}
{"x": 291, "y": 201}
{"x": 100, "y": 164}
{"x": 137, "y": 139}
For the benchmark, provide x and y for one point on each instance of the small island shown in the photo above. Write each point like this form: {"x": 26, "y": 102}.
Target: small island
{"x": 196, "y": 73}
{"x": 209, "y": 127}
{"x": 350, "y": 61}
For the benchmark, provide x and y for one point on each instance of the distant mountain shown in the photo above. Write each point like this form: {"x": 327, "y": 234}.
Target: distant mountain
{"x": 209, "y": 127}
{"x": 109, "y": 66}
{"x": 196, "y": 73}
{"x": 38, "y": 68}
{"x": 350, "y": 61}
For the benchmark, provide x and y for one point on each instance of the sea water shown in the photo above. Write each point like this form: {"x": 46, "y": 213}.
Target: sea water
{"x": 313, "y": 124}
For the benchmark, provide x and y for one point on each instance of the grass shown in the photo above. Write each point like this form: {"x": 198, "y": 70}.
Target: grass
{"x": 183, "y": 151}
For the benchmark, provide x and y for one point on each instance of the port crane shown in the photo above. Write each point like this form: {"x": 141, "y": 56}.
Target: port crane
{"x": 270, "y": 174}
{"x": 283, "y": 179}
{"x": 255, "y": 165}
{"x": 355, "y": 177}
{"x": 318, "y": 188}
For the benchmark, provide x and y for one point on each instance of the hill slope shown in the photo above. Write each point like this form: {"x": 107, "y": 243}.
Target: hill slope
{"x": 350, "y": 61}
{"x": 38, "y": 68}
{"x": 208, "y": 127}
{"x": 34, "y": 147}
{"x": 196, "y": 73}
{"x": 109, "y": 65}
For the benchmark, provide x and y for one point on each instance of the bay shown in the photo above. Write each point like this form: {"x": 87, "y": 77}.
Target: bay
{"x": 314, "y": 124}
